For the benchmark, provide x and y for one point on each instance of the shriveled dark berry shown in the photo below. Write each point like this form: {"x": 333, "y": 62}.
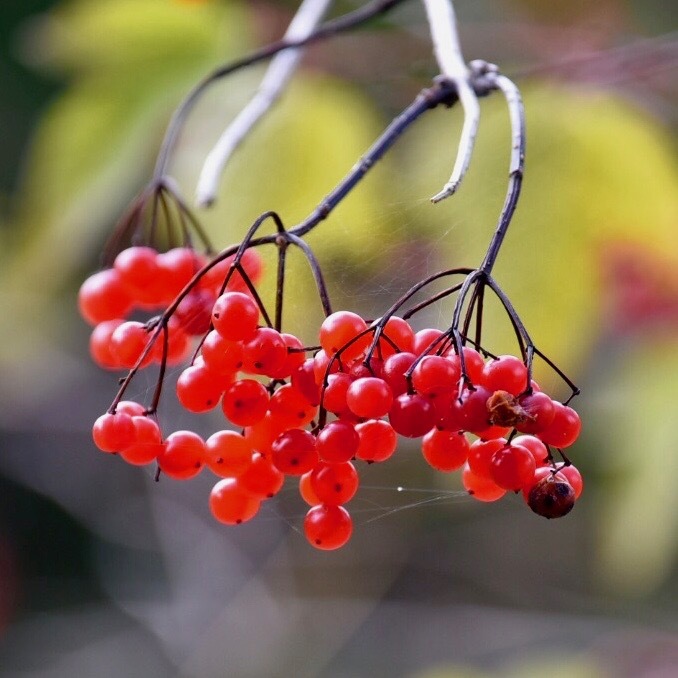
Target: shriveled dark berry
{"x": 551, "y": 497}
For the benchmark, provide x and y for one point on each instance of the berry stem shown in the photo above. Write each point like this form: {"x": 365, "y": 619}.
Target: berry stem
{"x": 161, "y": 374}
{"x": 525, "y": 343}
{"x": 315, "y": 270}
{"x": 516, "y": 167}
{"x": 129, "y": 220}
{"x": 479, "y": 315}
{"x": 431, "y": 300}
{"x": 160, "y": 194}
{"x": 561, "y": 374}
{"x": 184, "y": 211}
{"x": 282, "y": 244}
{"x": 474, "y": 277}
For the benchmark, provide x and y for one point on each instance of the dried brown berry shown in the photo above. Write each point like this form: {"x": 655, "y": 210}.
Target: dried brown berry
{"x": 505, "y": 410}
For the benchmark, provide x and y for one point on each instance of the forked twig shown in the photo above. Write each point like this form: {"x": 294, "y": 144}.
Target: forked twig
{"x": 279, "y": 73}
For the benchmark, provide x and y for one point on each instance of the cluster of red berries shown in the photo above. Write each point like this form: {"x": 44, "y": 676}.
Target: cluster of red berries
{"x": 143, "y": 279}
{"x": 313, "y": 417}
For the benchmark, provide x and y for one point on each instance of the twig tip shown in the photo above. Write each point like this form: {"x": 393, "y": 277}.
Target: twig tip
{"x": 447, "y": 191}
{"x": 205, "y": 201}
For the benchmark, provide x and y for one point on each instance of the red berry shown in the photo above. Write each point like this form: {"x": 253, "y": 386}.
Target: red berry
{"x": 245, "y": 402}
{"x": 261, "y": 479}
{"x": 444, "y": 450}
{"x": 128, "y": 343}
{"x": 265, "y": 352}
{"x": 138, "y": 268}
{"x": 231, "y": 505}
{"x": 228, "y": 454}
{"x": 221, "y": 356}
{"x": 178, "y": 345}
{"x": 475, "y": 416}
{"x": 412, "y": 415}
{"x": 194, "y": 313}
{"x": 182, "y": 456}
{"x": 394, "y": 370}
{"x": 250, "y": 261}
{"x": 506, "y": 373}
{"x": 113, "y": 432}
{"x": 103, "y": 297}
{"x": 100, "y": 344}
{"x": 322, "y": 363}
{"x": 306, "y": 490}
{"x": 358, "y": 369}
{"x": 435, "y": 374}
{"x": 369, "y": 397}
{"x": 235, "y": 316}
{"x": 215, "y": 276}
{"x": 448, "y": 411}
{"x": 400, "y": 334}
{"x": 378, "y": 440}
{"x": 290, "y": 408}
{"x": 340, "y": 328}
{"x": 303, "y": 379}
{"x": 176, "y": 267}
{"x": 536, "y": 447}
{"x": 334, "y": 484}
{"x": 328, "y": 527}
{"x": 512, "y": 467}
{"x": 480, "y": 488}
{"x": 197, "y": 389}
{"x": 564, "y": 429}
{"x": 147, "y": 443}
{"x": 294, "y": 358}
{"x": 261, "y": 435}
{"x": 540, "y": 410}
{"x": 480, "y": 455}
{"x": 130, "y": 407}
{"x": 473, "y": 363}
{"x": 423, "y": 340}
{"x": 294, "y": 452}
{"x": 338, "y": 442}
{"x": 492, "y": 432}
{"x": 334, "y": 394}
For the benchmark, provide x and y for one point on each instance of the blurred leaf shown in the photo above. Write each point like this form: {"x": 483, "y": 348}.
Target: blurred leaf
{"x": 122, "y": 38}
{"x": 530, "y": 667}
{"x": 452, "y": 672}
{"x": 637, "y": 512}
{"x": 555, "y": 666}
{"x": 132, "y": 62}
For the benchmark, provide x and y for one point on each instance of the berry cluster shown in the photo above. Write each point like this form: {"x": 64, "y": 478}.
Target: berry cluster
{"x": 313, "y": 412}
{"x": 143, "y": 279}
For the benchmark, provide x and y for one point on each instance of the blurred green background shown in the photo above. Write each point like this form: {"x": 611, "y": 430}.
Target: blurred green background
{"x": 105, "y": 573}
